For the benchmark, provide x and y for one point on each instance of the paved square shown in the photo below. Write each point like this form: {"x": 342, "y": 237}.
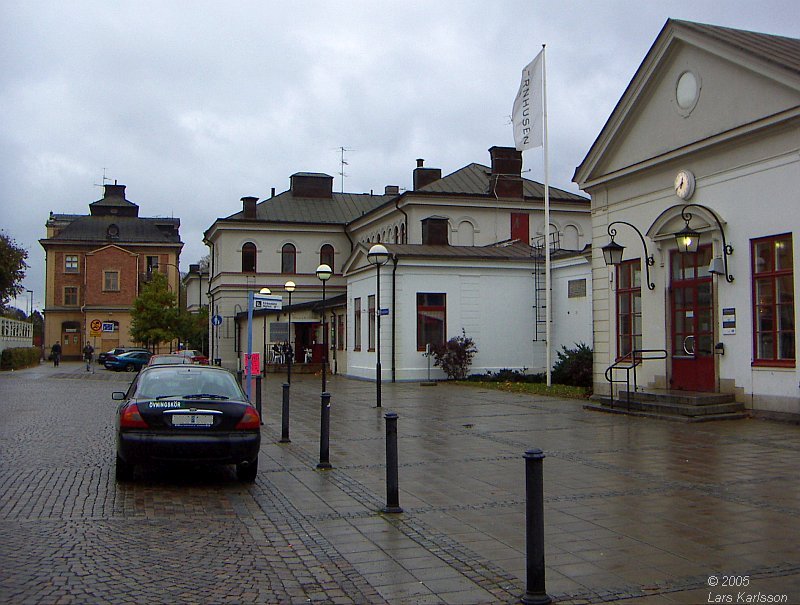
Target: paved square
{"x": 636, "y": 510}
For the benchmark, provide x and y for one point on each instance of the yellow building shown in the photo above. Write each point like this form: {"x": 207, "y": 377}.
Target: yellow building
{"x": 95, "y": 267}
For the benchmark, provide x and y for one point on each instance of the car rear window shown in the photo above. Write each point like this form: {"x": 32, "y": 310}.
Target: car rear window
{"x": 179, "y": 381}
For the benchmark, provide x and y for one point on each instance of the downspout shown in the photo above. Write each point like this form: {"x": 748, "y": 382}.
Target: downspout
{"x": 394, "y": 315}
{"x": 352, "y": 246}
{"x": 397, "y": 205}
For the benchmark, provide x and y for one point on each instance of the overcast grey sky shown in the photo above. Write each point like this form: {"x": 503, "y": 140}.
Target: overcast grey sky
{"x": 193, "y": 105}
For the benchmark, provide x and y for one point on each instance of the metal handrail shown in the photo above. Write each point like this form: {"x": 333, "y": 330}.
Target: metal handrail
{"x": 628, "y": 363}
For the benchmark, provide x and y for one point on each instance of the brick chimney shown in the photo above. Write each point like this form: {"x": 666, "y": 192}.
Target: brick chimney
{"x": 391, "y": 190}
{"x": 249, "y": 207}
{"x": 425, "y": 176}
{"x": 312, "y": 184}
{"x": 506, "y": 177}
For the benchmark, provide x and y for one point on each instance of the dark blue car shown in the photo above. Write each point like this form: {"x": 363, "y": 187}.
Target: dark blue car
{"x": 133, "y": 361}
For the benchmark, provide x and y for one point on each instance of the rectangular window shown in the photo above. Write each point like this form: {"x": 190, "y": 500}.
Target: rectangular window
{"x": 152, "y": 264}
{"x": 371, "y": 324}
{"x": 279, "y": 331}
{"x": 629, "y": 307}
{"x": 70, "y": 296}
{"x": 576, "y": 288}
{"x": 111, "y": 281}
{"x": 431, "y": 319}
{"x": 341, "y": 339}
{"x": 357, "y": 324}
{"x": 71, "y": 263}
{"x": 773, "y": 301}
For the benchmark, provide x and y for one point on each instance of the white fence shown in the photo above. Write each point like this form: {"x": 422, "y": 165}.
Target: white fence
{"x": 15, "y": 333}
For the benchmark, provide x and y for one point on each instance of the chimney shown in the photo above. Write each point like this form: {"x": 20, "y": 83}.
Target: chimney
{"x": 506, "y": 177}
{"x": 312, "y": 184}
{"x": 392, "y": 190}
{"x": 249, "y": 207}
{"x": 425, "y": 176}
{"x": 194, "y": 268}
{"x": 114, "y": 190}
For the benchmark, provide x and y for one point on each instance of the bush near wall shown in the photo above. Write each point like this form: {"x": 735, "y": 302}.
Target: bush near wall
{"x": 20, "y": 357}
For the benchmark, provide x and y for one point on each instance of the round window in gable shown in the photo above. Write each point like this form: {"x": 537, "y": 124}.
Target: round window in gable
{"x": 112, "y": 231}
{"x": 687, "y": 92}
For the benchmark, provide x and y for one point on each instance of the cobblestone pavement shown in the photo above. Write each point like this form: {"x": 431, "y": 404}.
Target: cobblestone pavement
{"x": 636, "y": 510}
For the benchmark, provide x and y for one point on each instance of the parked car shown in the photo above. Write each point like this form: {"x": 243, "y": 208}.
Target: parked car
{"x": 168, "y": 359}
{"x": 131, "y": 361}
{"x": 186, "y": 413}
{"x": 193, "y": 354}
{"x": 101, "y": 358}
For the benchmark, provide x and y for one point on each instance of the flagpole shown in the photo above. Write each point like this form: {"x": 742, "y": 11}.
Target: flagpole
{"x": 548, "y": 289}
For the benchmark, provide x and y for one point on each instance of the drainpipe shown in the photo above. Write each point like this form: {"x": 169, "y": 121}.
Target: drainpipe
{"x": 397, "y": 205}
{"x": 394, "y": 315}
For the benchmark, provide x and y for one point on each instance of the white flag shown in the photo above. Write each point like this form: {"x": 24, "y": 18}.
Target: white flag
{"x": 528, "y": 113}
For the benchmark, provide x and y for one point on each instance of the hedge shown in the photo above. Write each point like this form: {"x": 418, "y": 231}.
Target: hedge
{"x": 20, "y": 357}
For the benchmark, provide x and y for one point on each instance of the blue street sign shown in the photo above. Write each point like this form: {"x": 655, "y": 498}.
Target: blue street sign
{"x": 384, "y": 311}
{"x": 216, "y": 320}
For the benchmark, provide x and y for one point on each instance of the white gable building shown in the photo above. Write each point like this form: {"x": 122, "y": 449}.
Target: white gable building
{"x": 706, "y": 136}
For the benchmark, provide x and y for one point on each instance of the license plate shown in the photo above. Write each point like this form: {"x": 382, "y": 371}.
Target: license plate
{"x": 192, "y": 420}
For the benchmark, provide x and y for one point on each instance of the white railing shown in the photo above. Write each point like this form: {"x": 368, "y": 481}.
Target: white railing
{"x": 15, "y": 333}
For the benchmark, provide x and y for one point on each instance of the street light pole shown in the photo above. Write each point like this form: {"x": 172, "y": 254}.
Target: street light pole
{"x": 324, "y": 273}
{"x": 378, "y": 255}
{"x": 31, "y": 293}
{"x": 290, "y": 287}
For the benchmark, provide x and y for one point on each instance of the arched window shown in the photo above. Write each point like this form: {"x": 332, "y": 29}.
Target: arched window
{"x": 326, "y": 255}
{"x": 249, "y": 258}
{"x": 288, "y": 259}
{"x": 396, "y": 241}
{"x": 402, "y": 234}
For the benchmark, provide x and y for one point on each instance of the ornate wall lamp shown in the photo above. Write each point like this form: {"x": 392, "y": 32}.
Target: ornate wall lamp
{"x": 612, "y": 251}
{"x": 688, "y": 239}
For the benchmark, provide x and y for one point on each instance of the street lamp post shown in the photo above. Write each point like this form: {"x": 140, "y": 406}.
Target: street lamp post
{"x": 248, "y": 364}
{"x": 324, "y": 273}
{"x": 378, "y": 255}
{"x": 31, "y": 293}
{"x": 289, "y": 287}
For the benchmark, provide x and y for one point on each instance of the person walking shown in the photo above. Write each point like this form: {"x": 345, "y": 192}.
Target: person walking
{"x": 88, "y": 351}
{"x": 55, "y": 351}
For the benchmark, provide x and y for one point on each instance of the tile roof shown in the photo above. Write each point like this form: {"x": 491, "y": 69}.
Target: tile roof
{"x": 779, "y": 50}
{"x": 339, "y": 210}
{"x": 473, "y": 179}
{"x": 131, "y": 229}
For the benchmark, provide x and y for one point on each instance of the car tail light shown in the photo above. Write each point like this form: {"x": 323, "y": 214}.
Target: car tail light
{"x": 250, "y": 420}
{"x": 131, "y": 418}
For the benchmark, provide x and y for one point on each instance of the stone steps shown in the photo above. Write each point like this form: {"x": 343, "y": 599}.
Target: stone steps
{"x": 680, "y": 406}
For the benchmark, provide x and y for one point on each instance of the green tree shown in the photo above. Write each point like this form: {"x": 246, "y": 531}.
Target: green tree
{"x": 192, "y": 329}
{"x": 12, "y": 269}
{"x": 154, "y": 314}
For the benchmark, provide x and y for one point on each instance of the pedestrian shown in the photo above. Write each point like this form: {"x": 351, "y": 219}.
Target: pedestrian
{"x": 55, "y": 351}
{"x": 88, "y": 351}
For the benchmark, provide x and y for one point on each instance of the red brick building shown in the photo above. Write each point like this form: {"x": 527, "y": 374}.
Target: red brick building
{"x": 96, "y": 265}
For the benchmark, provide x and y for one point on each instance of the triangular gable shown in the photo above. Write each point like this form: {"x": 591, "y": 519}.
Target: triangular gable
{"x": 106, "y": 248}
{"x": 739, "y": 86}
{"x": 357, "y": 260}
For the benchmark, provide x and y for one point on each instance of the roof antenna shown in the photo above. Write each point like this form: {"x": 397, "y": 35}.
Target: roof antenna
{"x": 105, "y": 178}
{"x": 343, "y": 163}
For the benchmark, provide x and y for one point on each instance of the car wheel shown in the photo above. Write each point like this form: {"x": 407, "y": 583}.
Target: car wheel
{"x": 123, "y": 470}
{"x": 247, "y": 472}
{"x": 130, "y": 367}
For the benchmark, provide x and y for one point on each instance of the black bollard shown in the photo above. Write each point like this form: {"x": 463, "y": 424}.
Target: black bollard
{"x": 535, "y": 593}
{"x": 258, "y": 398}
{"x": 392, "y": 483}
{"x": 285, "y": 415}
{"x": 324, "y": 432}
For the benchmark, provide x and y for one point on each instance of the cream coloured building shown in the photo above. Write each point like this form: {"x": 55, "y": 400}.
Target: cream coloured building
{"x": 706, "y": 136}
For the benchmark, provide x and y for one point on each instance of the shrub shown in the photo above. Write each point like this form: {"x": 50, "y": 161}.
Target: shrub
{"x": 19, "y": 357}
{"x": 507, "y": 375}
{"x": 455, "y": 356}
{"x": 574, "y": 366}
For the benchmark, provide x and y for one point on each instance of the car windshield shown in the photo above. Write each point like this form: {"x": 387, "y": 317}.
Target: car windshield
{"x": 183, "y": 381}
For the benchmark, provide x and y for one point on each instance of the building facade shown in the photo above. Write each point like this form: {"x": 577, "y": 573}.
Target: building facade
{"x": 705, "y": 145}
{"x": 480, "y": 223}
{"x": 95, "y": 267}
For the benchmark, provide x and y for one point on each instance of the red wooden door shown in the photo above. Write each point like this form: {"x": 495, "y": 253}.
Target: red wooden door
{"x": 520, "y": 227}
{"x": 692, "y": 314}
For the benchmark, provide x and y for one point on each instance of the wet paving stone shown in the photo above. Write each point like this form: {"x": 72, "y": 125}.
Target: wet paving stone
{"x": 636, "y": 511}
